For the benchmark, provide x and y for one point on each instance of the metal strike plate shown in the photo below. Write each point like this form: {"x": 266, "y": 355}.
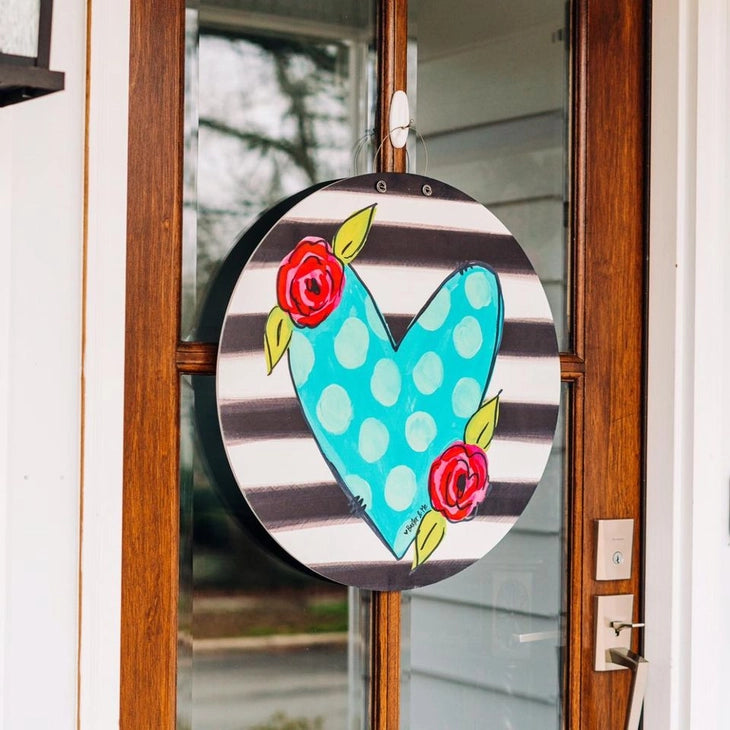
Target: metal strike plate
{"x": 615, "y": 539}
{"x": 610, "y": 609}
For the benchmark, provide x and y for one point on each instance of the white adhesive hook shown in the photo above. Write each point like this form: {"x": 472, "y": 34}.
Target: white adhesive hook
{"x": 399, "y": 119}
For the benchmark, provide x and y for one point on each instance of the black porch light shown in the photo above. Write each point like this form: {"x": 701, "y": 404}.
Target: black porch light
{"x": 25, "y": 47}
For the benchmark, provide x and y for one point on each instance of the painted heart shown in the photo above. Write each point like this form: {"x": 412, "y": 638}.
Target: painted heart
{"x": 382, "y": 413}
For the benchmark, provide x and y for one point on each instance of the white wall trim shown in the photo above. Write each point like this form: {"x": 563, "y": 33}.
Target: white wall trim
{"x": 5, "y": 269}
{"x": 710, "y": 573}
{"x": 687, "y": 559}
{"x": 41, "y": 185}
{"x": 665, "y": 566}
{"x": 104, "y": 365}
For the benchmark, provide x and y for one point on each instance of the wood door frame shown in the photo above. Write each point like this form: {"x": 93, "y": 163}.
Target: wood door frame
{"x": 609, "y": 228}
{"x": 605, "y": 367}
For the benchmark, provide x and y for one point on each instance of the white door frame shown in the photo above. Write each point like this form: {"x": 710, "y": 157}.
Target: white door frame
{"x": 688, "y": 460}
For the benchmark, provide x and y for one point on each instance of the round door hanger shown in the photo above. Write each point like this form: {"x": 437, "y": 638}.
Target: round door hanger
{"x": 388, "y": 381}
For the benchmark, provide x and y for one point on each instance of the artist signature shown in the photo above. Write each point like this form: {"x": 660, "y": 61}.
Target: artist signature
{"x": 416, "y": 519}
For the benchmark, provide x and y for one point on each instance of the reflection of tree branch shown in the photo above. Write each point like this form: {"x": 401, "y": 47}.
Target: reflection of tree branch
{"x": 270, "y": 162}
{"x": 297, "y": 94}
{"x": 256, "y": 140}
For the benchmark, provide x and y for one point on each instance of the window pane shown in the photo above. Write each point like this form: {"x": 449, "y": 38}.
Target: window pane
{"x": 491, "y": 81}
{"x": 491, "y": 103}
{"x": 262, "y": 644}
{"x": 277, "y": 101}
{"x": 489, "y": 642}
{"x": 277, "y": 96}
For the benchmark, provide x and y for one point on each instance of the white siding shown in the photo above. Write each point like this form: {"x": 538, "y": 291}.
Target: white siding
{"x": 41, "y": 180}
{"x": 104, "y": 367}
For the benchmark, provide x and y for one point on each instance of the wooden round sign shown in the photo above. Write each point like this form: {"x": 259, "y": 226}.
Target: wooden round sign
{"x": 388, "y": 381}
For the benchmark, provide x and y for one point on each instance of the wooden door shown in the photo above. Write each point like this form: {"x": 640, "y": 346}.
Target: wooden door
{"x": 602, "y": 363}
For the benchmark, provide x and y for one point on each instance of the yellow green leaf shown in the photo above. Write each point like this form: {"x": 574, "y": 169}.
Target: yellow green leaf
{"x": 480, "y": 429}
{"x": 352, "y": 234}
{"x": 430, "y": 532}
{"x": 276, "y": 337}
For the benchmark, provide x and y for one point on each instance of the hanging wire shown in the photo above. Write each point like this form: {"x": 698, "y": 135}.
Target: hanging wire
{"x": 425, "y": 149}
{"x": 370, "y": 134}
{"x": 358, "y": 148}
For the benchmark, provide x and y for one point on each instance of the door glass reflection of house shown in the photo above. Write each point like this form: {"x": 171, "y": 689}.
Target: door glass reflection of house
{"x": 492, "y": 108}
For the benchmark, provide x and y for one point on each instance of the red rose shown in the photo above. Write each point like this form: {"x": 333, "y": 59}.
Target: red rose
{"x": 458, "y": 481}
{"x": 310, "y": 282}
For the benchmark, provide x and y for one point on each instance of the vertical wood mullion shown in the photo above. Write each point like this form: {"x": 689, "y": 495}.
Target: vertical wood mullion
{"x": 151, "y": 391}
{"x": 392, "y": 53}
{"x": 386, "y": 606}
{"x": 574, "y": 525}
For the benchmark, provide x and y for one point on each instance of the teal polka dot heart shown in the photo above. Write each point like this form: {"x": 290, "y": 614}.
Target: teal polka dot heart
{"x": 381, "y": 413}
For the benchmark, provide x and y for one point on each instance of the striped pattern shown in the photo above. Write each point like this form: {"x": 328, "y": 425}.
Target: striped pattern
{"x": 414, "y": 244}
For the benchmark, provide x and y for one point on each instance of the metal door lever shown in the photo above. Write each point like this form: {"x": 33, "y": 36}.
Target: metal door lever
{"x": 640, "y": 668}
{"x": 617, "y": 626}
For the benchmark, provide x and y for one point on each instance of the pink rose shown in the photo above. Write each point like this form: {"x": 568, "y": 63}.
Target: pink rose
{"x": 310, "y": 282}
{"x": 458, "y": 481}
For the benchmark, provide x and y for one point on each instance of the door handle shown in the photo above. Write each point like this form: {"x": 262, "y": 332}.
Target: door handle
{"x": 640, "y": 669}
{"x": 618, "y": 626}
{"x": 613, "y": 638}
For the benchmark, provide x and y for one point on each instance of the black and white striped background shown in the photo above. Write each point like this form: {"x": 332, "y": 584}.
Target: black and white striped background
{"x": 414, "y": 244}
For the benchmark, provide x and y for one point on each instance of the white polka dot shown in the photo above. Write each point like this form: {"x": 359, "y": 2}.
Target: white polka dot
{"x": 334, "y": 409}
{"x": 400, "y": 488}
{"x": 301, "y": 358}
{"x": 428, "y": 374}
{"x": 385, "y": 383}
{"x": 468, "y": 337}
{"x": 436, "y": 311}
{"x": 466, "y": 397}
{"x": 373, "y": 440}
{"x": 420, "y": 431}
{"x": 351, "y": 343}
{"x": 478, "y": 291}
{"x": 360, "y": 489}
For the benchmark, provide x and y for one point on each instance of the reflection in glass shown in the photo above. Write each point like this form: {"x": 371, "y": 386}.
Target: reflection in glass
{"x": 271, "y": 644}
{"x": 492, "y": 109}
{"x": 489, "y": 642}
{"x": 185, "y": 557}
{"x": 281, "y": 101}
{"x": 277, "y": 94}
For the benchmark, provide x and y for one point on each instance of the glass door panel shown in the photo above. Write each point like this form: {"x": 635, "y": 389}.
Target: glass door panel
{"x": 277, "y": 95}
{"x": 492, "y": 107}
{"x": 489, "y": 642}
{"x": 262, "y": 645}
